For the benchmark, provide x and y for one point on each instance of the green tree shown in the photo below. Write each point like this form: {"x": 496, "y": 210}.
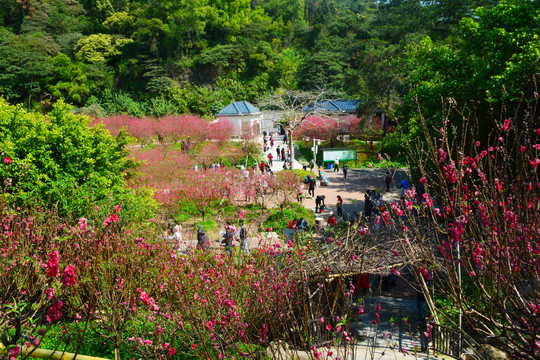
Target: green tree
{"x": 58, "y": 159}
{"x": 22, "y": 70}
{"x": 491, "y": 71}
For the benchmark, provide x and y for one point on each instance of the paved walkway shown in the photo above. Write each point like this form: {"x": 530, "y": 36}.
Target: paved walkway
{"x": 278, "y": 165}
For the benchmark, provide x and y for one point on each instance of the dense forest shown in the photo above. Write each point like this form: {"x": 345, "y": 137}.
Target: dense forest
{"x": 156, "y": 57}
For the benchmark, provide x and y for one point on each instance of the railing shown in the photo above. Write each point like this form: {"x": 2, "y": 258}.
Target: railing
{"x": 447, "y": 340}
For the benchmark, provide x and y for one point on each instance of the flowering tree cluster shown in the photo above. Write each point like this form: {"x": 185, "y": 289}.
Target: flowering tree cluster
{"x": 167, "y": 129}
{"x": 471, "y": 225}
{"x": 147, "y": 301}
{"x": 326, "y": 127}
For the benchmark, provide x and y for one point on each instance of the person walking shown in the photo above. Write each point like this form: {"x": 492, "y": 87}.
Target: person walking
{"x": 271, "y": 142}
{"x": 312, "y": 164}
{"x": 243, "y": 236}
{"x": 339, "y": 206}
{"x": 278, "y": 151}
{"x": 262, "y": 167}
{"x": 283, "y": 154}
{"x": 228, "y": 237}
{"x": 270, "y": 157}
{"x": 345, "y": 168}
{"x": 336, "y": 165}
{"x": 319, "y": 203}
{"x": 388, "y": 180}
{"x": 311, "y": 187}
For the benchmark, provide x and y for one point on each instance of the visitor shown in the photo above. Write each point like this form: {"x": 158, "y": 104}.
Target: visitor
{"x": 278, "y": 151}
{"x": 177, "y": 232}
{"x": 312, "y": 164}
{"x": 243, "y": 236}
{"x": 293, "y": 224}
{"x": 311, "y": 187}
{"x": 336, "y": 165}
{"x": 339, "y": 206}
{"x": 270, "y": 157}
{"x": 331, "y": 222}
{"x": 228, "y": 237}
{"x": 221, "y": 164}
{"x": 345, "y": 168}
{"x": 271, "y": 142}
{"x": 299, "y": 193}
{"x": 303, "y": 224}
{"x": 262, "y": 166}
{"x": 319, "y": 203}
{"x": 368, "y": 207}
{"x": 285, "y": 138}
{"x": 283, "y": 153}
{"x": 202, "y": 239}
{"x": 401, "y": 193}
{"x": 388, "y": 180}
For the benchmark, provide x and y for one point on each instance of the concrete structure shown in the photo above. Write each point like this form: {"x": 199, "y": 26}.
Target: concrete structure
{"x": 245, "y": 118}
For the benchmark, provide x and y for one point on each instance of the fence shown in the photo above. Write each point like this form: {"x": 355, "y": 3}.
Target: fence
{"x": 447, "y": 340}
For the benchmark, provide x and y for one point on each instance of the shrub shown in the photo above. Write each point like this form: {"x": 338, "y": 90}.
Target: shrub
{"x": 59, "y": 160}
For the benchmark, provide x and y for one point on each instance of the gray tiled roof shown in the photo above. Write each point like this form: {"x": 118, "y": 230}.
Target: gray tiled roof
{"x": 238, "y": 108}
{"x": 334, "y": 105}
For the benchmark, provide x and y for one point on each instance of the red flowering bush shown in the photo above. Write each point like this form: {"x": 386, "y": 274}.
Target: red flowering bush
{"x": 145, "y": 299}
{"x": 473, "y": 228}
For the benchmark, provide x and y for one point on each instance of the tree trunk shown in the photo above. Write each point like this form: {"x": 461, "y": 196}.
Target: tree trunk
{"x": 291, "y": 146}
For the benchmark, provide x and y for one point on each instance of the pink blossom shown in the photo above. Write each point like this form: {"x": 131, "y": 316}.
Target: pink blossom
{"x": 172, "y": 351}
{"x": 424, "y": 273}
{"x": 328, "y": 327}
{"x": 506, "y": 124}
{"x": 52, "y": 264}
{"x": 54, "y": 311}
{"x": 423, "y": 180}
{"x": 117, "y": 208}
{"x": 193, "y": 346}
{"x": 68, "y": 277}
{"x": 14, "y": 352}
{"x": 477, "y": 143}
{"x": 7, "y": 160}
{"x": 522, "y": 149}
{"x": 82, "y": 224}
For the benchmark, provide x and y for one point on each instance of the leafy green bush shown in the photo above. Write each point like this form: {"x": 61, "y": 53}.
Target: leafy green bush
{"x": 59, "y": 160}
{"x": 280, "y": 220}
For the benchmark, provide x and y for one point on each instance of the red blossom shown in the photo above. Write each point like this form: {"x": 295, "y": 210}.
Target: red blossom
{"x": 52, "y": 264}
{"x": 68, "y": 277}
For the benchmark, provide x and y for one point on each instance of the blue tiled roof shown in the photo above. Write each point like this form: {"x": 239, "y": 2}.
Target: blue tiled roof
{"x": 334, "y": 105}
{"x": 238, "y": 108}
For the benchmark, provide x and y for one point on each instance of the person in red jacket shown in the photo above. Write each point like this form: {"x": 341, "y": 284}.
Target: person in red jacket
{"x": 331, "y": 222}
{"x": 339, "y": 206}
{"x": 293, "y": 224}
{"x": 270, "y": 157}
{"x": 262, "y": 166}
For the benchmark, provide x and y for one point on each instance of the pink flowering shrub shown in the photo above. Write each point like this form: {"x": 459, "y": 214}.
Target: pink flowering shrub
{"x": 476, "y": 210}
{"x": 144, "y": 298}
